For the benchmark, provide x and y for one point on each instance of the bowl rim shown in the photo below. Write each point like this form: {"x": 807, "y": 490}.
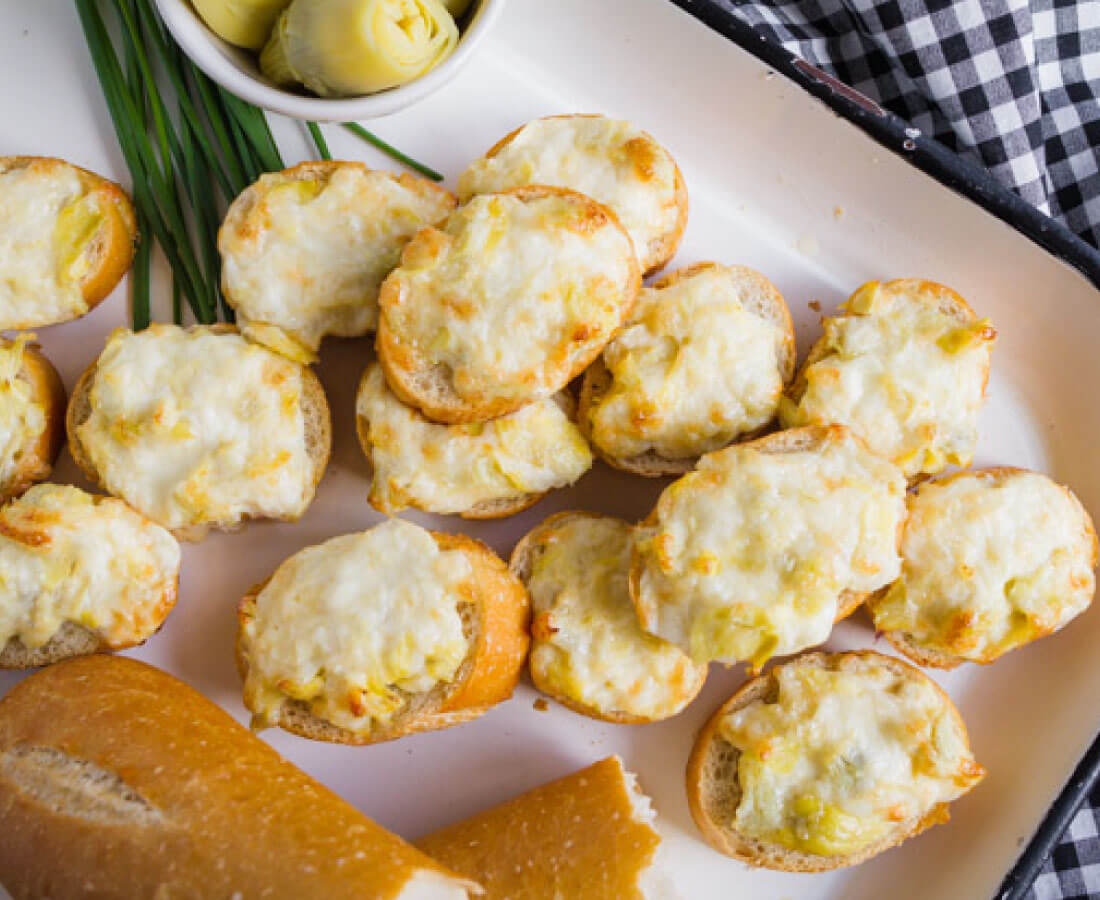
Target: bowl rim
{"x": 214, "y": 57}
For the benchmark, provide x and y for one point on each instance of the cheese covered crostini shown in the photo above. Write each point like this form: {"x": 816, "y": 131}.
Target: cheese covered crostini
{"x": 905, "y": 367}
{"x": 991, "y": 559}
{"x": 374, "y": 635}
{"x": 32, "y": 416}
{"x": 828, "y": 760}
{"x": 759, "y": 550}
{"x": 588, "y": 650}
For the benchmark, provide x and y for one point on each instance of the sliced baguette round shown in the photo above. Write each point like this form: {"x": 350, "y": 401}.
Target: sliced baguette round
{"x": 37, "y": 457}
{"x": 655, "y": 252}
{"x": 109, "y": 250}
{"x": 766, "y": 302}
{"x": 714, "y": 792}
{"x": 315, "y": 412}
{"x": 930, "y": 293}
{"x": 421, "y": 380}
{"x": 498, "y": 508}
{"x": 925, "y": 654}
{"x": 494, "y": 621}
{"x": 526, "y": 553}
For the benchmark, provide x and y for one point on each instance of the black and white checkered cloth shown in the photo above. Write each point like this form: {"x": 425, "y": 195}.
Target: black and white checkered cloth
{"x": 1013, "y": 84}
{"x": 1010, "y": 83}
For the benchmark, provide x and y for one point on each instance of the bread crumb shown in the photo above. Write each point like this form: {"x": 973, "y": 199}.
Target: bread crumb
{"x": 541, "y": 705}
{"x": 815, "y": 305}
{"x": 838, "y": 212}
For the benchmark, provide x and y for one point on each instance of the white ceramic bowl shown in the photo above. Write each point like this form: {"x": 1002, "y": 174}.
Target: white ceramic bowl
{"x": 237, "y": 70}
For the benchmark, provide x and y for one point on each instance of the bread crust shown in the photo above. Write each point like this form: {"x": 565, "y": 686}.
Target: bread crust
{"x": 520, "y": 564}
{"x": 932, "y": 658}
{"x": 930, "y": 293}
{"x": 486, "y": 509}
{"x": 488, "y": 675}
{"x": 710, "y": 746}
{"x": 115, "y": 243}
{"x": 578, "y": 836}
{"x": 315, "y": 411}
{"x": 597, "y": 381}
{"x": 662, "y": 248}
{"x": 793, "y": 440}
{"x": 47, "y": 391}
{"x": 429, "y": 389}
{"x": 118, "y": 781}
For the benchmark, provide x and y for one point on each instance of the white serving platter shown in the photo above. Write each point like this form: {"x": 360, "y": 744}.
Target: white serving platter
{"x": 778, "y": 182}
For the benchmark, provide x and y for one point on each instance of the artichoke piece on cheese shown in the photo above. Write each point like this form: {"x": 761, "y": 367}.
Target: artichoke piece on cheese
{"x": 245, "y": 23}
{"x": 340, "y": 48}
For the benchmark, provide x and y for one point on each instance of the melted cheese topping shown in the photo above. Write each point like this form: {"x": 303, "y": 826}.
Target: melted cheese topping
{"x": 304, "y": 258}
{"x": 47, "y": 222}
{"x": 353, "y": 626}
{"x": 613, "y": 162}
{"x": 989, "y": 564}
{"x": 692, "y": 370}
{"x": 511, "y": 294}
{"x": 905, "y": 377}
{"x": 842, "y": 758}
{"x": 193, "y": 427}
{"x": 453, "y": 468}
{"x": 750, "y": 553}
{"x": 588, "y": 645}
{"x": 22, "y": 419}
{"x": 67, "y": 556}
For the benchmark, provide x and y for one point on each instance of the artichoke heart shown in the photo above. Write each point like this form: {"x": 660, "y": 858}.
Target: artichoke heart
{"x": 340, "y": 48}
{"x": 245, "y": 23}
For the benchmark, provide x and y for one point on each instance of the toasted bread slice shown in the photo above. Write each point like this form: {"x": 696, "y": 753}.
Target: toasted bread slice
{"x": 32, "y": 399}
{"x": 790, "y": 513}
{"x": 494, "y": 612}
{"x": 734, "y": 352}
{"x": 67, "y": 236}
{"x": 316, "y": 436}
{"x": 92, "y": 606}
{"x": 588, "y": 835}
{"x": 948, "y": 378}
{"x": 481, "y": 471}
{"x": 992, "y": 559}
{"x": 506, "y": 304}
{"x": 613, "y": 162}
{"x": 304, "y": 251}
{"x": 588, "y": 651}
{"x": 715, "y": 791}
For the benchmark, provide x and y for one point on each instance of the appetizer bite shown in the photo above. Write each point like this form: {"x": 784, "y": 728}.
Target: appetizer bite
{"x": 304, "y": 251}
{"x": 588, "y": 651}
{"x": 198, "y": 428}
{"x": 32, "y": 416}
{"x": 118, "y": 781}
{"x": 613, "y": 162}
{"x": 514, "y": 296}
{"x": 701, "y": 362}
{"x": 480, "y": 470}
{"x": 66, "y": 238}
{"x": 79, "y": 574}
{"x": 589, "y": 834}
{"x": 371, "y": 636}
{"x": 759, "y": 550}
{"x": 905, "y": 367}
{"x": 991, "y": 559}
{"x": 828, "y": 760}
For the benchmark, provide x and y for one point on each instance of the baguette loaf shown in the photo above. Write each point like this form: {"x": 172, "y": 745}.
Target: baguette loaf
{"x": 67, "y": 236}
{"x": 372, "y": 636}
{"x": 32, "y": 414}
{"x": 119, "y": 782}
{"x": 588, "y": 835}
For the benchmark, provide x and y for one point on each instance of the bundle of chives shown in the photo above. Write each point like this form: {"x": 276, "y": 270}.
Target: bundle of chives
{"x": 188, "y": 166}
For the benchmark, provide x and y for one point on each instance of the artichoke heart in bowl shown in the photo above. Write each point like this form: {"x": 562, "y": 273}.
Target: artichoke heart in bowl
{"x": 340, "y": 48}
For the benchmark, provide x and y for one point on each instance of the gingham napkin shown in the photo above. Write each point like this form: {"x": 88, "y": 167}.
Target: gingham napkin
{"x": 1015, "y": 85}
